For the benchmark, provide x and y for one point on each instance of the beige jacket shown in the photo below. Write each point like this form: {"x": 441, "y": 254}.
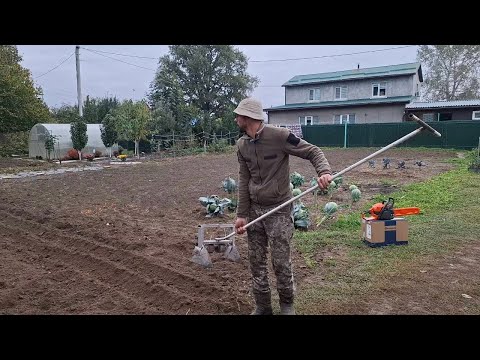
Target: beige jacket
{"x": 264, "y": 176}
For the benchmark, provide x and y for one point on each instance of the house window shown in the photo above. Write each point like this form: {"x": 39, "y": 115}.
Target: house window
{"x": 379, "y": 89}
{"x": 344, "y": 118}
{"x": 476, "y": 115}
{"x": 314, "y": 95}
{"x": 308, "y": 120}
{"x": 445, "y": 117}
{"x": 428, "y": 117}
{"x": 417, "y": 93}
{"x": 341, "y": 93}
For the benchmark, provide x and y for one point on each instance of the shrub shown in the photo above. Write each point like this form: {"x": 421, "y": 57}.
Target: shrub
{"x": 218, "y": 146}
{"x": 72, "y": 154}
{"x": 98, "y": 153}
{"x": 14, "y": 143}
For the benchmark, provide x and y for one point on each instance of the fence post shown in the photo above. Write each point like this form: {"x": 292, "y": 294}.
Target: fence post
{"x": 173, "y": 142}
{"x": 478, "y": 149}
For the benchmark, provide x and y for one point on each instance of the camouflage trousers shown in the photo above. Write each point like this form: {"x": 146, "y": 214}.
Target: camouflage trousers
{"x": 276, "y": 232}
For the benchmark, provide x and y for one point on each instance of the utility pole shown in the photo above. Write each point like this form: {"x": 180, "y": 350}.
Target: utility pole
{"x": 79, "y": 85}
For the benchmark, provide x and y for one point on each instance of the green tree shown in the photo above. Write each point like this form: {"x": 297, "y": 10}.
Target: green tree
{"x": 50, "y": 144}
{"x": 199, "y": 85}
{"x": 94, "y": 110}
{"x": 104, "y": 106}
{"x": 133, "y": 120}
{"x": 78, "y": 131}
{"x": 108, "y": 130}
{"x": 21, "y": 103}
{"x": 90, "y": 111}
{"x": 66, "y": 114}
{"x": 451, "y": 71}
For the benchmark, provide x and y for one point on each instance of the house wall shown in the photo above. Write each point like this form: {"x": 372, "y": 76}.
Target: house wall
{"x": 357, "y": 89}
{"x": 382, "y": 113}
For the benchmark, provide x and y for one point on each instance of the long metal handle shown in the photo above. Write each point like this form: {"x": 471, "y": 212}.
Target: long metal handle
{"x": 358, "y": 163}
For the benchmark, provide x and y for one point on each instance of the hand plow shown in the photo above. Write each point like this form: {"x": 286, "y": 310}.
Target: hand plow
{"x": 201, "y": 254}
{"x": 225, "y": 245}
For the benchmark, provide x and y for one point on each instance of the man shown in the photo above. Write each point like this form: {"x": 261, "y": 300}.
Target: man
{"x": 264, "y": 183}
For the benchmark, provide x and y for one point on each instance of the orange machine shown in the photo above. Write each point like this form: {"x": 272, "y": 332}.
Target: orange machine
{"x": 385, "y": 210}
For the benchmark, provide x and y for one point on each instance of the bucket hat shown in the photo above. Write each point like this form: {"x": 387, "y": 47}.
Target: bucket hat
{"x": 250, "y": 107}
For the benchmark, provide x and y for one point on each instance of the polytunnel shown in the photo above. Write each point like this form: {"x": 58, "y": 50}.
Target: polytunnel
{"x": 63, "y": 141}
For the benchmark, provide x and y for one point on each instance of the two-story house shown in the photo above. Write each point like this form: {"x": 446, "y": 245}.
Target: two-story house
{"x": 358, "y": 96}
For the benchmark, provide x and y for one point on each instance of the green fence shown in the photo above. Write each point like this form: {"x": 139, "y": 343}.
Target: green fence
{"x": 455, "y": 134}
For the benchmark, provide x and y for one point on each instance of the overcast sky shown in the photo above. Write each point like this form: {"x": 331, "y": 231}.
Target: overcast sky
{"x": 106, "y": 74}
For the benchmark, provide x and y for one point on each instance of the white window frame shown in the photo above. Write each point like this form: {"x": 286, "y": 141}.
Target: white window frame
{"x": 345, "y": 117}
{"x": 312, "y": 93}
{"x": 380, "y": 85}
{"x": 476, "y": 115}
{"x": 344, "y": 93}
{"x": 308, "y": 120}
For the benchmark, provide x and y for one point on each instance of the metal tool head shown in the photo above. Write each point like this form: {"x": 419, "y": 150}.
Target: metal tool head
{"x": 232, "y": 253}
{"x": 424, "y": 125}
{"x": 207, "y": 242}
{"x": 201, "y": 257}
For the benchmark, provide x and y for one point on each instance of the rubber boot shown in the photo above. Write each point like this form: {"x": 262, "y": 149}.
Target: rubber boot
{"x": 263, "y": 304}
{"x": 260, "y": 310}
{"x": 287, "y": 309}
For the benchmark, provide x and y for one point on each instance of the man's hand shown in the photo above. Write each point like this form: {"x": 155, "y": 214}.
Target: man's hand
{"x": 324, "y": 181}
{"x": 239, "y": 224}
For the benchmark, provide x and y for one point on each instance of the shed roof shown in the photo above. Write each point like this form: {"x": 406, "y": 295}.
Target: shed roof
{"x": 443, "y": 104}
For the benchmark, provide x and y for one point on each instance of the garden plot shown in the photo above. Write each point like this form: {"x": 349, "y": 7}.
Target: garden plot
{"x": 120, "y": 241}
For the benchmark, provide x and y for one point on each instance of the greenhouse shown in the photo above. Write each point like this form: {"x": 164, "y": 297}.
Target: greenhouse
{"x": 63, "y": 140}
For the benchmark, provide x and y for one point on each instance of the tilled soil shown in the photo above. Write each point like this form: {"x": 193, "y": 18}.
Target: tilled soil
{"x": 120, "y": 240}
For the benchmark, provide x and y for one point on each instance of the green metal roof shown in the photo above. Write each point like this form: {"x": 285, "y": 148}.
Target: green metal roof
{"x": 381, "y": 71}
{"x": 324, "y": 104}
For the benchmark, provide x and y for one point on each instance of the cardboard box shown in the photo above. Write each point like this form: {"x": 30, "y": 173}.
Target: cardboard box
{"x": 384, "y": 232}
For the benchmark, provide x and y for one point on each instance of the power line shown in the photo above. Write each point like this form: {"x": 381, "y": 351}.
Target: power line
{"x": 271, "y": 60}
{"x": 142, "y": 67}
{"x": 107, "y": 52}
{"x": 335, "y": 55}
{"x": 54, "y": 67}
